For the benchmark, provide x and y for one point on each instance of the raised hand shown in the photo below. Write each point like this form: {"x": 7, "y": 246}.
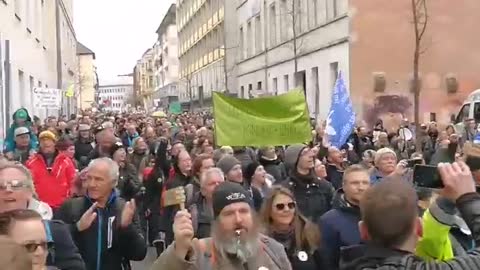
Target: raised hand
{"x": 87, "y": 218}
{"x": 457, "y": 180}
{"x": 183, "y": 231}
{"x": 128, "y": 213}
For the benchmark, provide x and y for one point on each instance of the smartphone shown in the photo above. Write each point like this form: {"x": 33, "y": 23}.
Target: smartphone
{"x": 412, "y": 162}
{"x": 427, "y": 176}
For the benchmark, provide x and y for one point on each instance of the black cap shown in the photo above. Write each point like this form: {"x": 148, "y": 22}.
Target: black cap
{"x": 227, "y": 193}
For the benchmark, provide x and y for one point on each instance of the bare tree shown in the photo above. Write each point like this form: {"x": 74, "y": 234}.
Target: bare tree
{"x": 420, "y": 22}
{"x": 293, "y": 14}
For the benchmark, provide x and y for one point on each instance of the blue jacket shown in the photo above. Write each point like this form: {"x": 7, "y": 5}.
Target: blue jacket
{"x": 339, "y": 228}
{"x": 10, "y": 138}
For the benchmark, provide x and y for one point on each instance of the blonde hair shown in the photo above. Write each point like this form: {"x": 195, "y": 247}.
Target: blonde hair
{"x": 5, "y": 164}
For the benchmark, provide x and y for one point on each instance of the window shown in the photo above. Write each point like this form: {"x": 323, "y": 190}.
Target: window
{"x": 242, "y": 91}
{"x": 273, "y": 25}
{"x": 18, "y": 9}
{"x": 476, "y": 112}
{"x": 463, "y": 114}
{"x": 316, "y": 90}
{"x": 286, "y": 83}
{"x": 250, "y": 91}
{"x": 21, "y": 85}
{"x": 284, "y": 18}
{"x": 32, "y": 84}
{"x": 259, "y": 85}
{"x": 258, "y": 35}
{"x": 312, "y": 13}
{"x": 249, "y": 39}
{"x": 29, "y": 14}
{"x": 242, "y": 48}
{"x": 275, "y": 86}
{"x": 335, "y": 8}
{"x": 333, "y": 74}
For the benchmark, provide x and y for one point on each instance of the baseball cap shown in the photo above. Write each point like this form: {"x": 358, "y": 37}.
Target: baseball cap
{"x": 21, "y": 131}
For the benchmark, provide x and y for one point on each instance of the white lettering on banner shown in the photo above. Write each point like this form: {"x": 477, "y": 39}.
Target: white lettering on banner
{"x": 47, "y": 98}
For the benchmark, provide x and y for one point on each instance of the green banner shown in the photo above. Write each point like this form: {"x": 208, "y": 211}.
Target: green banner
{"x": 277, "y": 120}
{"x": 175, "y": 108}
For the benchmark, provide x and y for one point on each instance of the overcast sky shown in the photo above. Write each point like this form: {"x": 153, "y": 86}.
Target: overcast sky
{"x": 118, "y": 31}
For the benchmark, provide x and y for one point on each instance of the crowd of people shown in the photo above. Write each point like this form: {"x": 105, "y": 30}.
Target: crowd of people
{"x": 92, "y": 192}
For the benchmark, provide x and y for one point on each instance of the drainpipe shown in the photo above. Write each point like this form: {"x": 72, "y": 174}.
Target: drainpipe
{"x": 265, "y": 36}
{"x": 59, "y": 53}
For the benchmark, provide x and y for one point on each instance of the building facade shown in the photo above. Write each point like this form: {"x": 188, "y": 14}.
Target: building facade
{"x": 208, "y": 41}
{"x": 38, "y": 44}
{"x": 166, "y": 62}
{"x": 381, "y": 59}
{"x": 115, "y": 97}
{"x": 87, "y": 77}
{"x": 146, "y": 79}
{"x": 286, "y": 44}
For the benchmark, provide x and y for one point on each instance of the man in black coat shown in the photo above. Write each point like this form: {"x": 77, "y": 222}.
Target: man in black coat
{"x": 103, "y": 225}
{"x": 313, "y": 195}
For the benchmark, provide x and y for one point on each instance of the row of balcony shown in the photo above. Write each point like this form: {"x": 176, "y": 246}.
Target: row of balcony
{"x": 190, "y": 12}
{"x": 202, "y": 31}
{"x": 203, "y": 61}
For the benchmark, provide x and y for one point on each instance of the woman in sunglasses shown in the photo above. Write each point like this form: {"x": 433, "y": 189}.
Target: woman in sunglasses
{"x": 284, "y": 223}
{"x": 26, "y": 228}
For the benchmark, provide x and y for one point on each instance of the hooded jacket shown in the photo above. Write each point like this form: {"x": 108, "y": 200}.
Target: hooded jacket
{"x": 53, "y": 185}
{"x": 339, "y": 228}
{"x": 10, "y": 139}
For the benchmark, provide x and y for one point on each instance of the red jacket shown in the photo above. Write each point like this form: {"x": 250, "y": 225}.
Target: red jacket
{"x": 52, "y": 187}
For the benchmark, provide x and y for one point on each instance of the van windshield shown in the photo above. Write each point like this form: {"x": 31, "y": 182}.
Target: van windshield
{"x": 476, "y": 112}
{"x": 463, "y": 114}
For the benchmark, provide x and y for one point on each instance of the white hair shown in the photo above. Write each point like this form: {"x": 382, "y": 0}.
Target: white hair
{"x": 208, "y": 173}
{"x": 112, "y": 165}
{"x": 5, "y": 164}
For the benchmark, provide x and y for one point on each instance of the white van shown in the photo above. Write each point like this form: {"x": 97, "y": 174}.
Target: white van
{"x": 470, "y": 108}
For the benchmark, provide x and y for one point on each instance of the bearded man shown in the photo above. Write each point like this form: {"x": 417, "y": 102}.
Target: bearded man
{"x": 236, "y": 242}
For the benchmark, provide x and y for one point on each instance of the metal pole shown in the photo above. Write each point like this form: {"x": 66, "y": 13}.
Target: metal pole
{"x": 2, "y": 97}
{"x": 7, "y": 83}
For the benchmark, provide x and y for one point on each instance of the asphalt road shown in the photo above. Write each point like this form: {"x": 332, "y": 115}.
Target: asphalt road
{"x": 145, "y": 264}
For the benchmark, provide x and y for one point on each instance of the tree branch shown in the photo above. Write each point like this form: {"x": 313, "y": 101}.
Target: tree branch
{"x": 425, "y": 22}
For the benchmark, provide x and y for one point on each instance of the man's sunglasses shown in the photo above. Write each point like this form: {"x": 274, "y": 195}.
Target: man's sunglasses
{"x": 281, "y": 206}
{"x": 32, "y": 247}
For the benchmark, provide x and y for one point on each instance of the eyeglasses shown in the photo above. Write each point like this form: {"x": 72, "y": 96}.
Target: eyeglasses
{"x": 32, "y": 247}
{"x": 281, "y": 206}
{"x": 13, "y": 185}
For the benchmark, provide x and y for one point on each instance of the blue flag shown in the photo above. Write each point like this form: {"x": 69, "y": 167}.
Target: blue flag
{"x": 341, "y": 119}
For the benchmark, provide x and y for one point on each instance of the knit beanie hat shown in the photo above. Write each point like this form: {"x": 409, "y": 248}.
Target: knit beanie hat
{"x": 249, "y": 171}
{"x": 226, "y": 163}
{"x": 381, "y": 152}
{"x": 292, "y": 154}
{"x": 227, "y": 193}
